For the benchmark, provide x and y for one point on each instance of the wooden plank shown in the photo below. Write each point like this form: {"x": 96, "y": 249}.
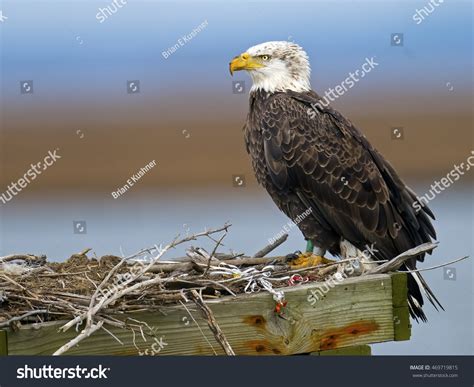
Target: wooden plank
{"x": 401, "y": 314}
{"x": 318, "y": 317}
{"x": 356, "y": 350}
{"x": 3, "y": 343}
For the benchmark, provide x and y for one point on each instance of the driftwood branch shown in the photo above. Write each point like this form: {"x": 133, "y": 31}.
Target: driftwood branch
{"x": 399, "y": 260}
{"x": 243, "y": 261}
{"x": 272, "y": 246}
{"x": 83, "y": 335}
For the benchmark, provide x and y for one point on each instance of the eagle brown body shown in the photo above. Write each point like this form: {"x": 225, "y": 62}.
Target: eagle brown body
{"x": 308, "y": 156}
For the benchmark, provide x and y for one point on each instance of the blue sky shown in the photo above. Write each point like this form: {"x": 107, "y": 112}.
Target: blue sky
{"x": 67, "y": 51}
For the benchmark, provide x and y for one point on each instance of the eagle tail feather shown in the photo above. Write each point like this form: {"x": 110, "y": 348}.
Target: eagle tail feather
{"x": 416, "y": 284}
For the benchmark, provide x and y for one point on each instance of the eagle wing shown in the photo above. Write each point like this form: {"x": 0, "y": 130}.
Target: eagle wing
{"x": 322, "y": 157}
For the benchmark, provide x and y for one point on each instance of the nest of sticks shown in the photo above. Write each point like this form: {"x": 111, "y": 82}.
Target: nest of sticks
{"x": 93, "y": 292}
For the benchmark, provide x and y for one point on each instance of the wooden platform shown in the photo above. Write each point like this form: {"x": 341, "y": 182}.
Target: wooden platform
{"x": 344, "y": 319}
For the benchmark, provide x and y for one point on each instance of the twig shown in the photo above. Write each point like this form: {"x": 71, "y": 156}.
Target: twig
{"x": 199, "y": 327}
{"x": 23, "y": 316}
{"x": 213, "y": 252}
{"x": 83, "y": 335}
{"x": 124, "y": 289}
{"x": 13, "y": 282}
{"x": 211, "y": 321}
{"x": 437, "y": 266}
{"x": 61, "y": 274}
{"x": 272, "y": 246}
{"x": 104, "y": 302}
{"x": 219, "y": 285}
{"x": 113, "y": 336}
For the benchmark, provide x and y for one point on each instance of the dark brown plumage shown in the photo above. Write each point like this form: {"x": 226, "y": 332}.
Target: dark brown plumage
{"x": 310, "y": 156}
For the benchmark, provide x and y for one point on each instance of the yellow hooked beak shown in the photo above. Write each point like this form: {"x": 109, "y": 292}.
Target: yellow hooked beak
{"x": 244, "y": 62}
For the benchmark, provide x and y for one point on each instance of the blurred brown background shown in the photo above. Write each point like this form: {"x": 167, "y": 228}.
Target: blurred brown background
{"x": 198, "y": 140}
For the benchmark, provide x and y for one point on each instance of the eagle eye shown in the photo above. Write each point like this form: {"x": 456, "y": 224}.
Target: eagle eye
{"x": 265, "y": 57}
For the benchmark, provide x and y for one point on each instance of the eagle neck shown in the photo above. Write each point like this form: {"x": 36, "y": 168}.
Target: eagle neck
{"x": 260, "y": 94}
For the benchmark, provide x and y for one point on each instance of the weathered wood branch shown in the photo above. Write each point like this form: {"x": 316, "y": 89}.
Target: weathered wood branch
{"x": 270, "y": 247}
{"x": 399, "y": 260}
{"x": 83, "y": 335}
{"x": 243, "y": 261}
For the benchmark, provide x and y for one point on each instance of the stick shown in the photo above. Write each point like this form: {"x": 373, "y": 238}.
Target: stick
{"x": 199, "y": 327}
{"x": 81, "y": 336}
{"x": 272, "y": 246}
{"x": 219, "y": 285}
{"x": 111, "y": 334}
{"x": 123, "y": 289}
{"x": 13, "y": 282}
{"x": 213, "y": 252}
{"x": 438, "y": 266}
{"x": 23, "y": 316}
{"x": 186, "y": 266}
{"x": 23, "y": 257}
{"x": 211, "y": 321}
{"x": 395, "y": 263}
{"x": 168, "y": 267}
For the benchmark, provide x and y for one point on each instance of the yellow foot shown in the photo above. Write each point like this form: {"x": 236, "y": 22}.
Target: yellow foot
{"x": 304, "y": 260}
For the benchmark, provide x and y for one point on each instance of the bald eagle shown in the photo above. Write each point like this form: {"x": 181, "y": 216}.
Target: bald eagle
{"x": 308, "y": 156}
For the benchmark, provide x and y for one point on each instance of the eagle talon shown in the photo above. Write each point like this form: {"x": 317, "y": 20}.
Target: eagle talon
{"x": 304, "y": 260}
{"x": 293, "y": 256}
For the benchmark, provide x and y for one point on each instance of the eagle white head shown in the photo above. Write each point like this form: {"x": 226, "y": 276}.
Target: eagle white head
{"x": 275, "y": 66}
